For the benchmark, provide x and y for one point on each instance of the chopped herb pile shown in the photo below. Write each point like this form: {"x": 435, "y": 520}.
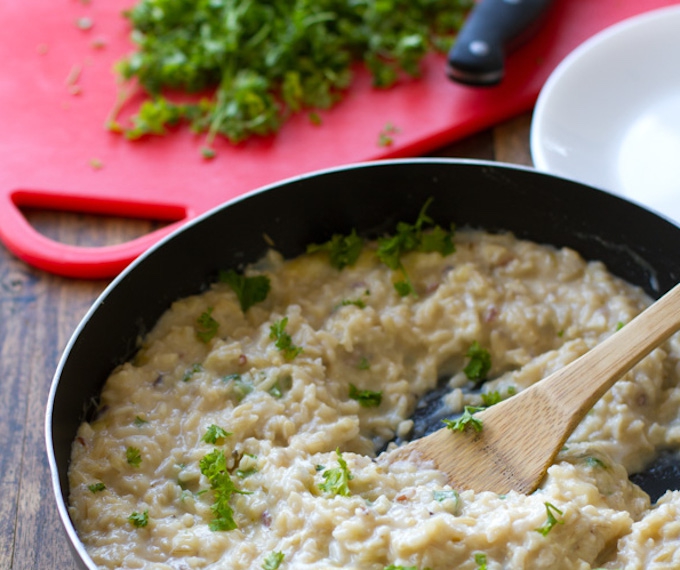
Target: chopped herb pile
{"x": 367, "y": 398}
{"x": 249, "y": 290}
{"x": 336, "y": 480}
{"x": 263, "y": 61}
{"x": 283, "y": 341}
{"x": 214, "y": 467}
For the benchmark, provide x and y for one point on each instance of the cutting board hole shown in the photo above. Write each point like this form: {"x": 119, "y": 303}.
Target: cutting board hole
{"x": 92, "y": 230}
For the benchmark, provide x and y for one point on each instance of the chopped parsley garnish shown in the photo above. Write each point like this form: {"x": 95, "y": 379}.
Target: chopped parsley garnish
{"x": 336, "y": 479}
{"x": 445, "y": 494}
{"x": 273, "y": 561}
{"x": 282, "y": 385}
{"x": 249, "y": 290}
{"x": 413, "y": 237}
{"x": 396, "y": 567}
{"x": 479, "y": 364}
{"x": 96, "y": 487}
{"x": 269, "y": 60}
{"x": 356, "y": 302}
{"x": 206, "y": 326}
{"x": 243, "y": 473}
{"x": 189, "y": 373}
{"x": 342, "y": 250}
{"x": 214, "y": 467}
{"x": 283, "y": 340}
{"x": 385, "y": 137}
{"x": 139, "y": 520}
{"x": 491, "y": 398}
{"x": 551, "y": 510}
{"x": 591, "y": 461}
{"x": 133, "y": 456}
{"x": 240, "y": 386}
{"x": 139, "y": 421}
{"x": 215, "y": 433}
{"x": 367, "y": 398}
{"x": 480, "y": 560}
{"x": 466, "y": 420}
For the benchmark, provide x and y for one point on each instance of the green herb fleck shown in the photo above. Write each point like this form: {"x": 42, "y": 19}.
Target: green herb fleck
{"x": 133, "y": 456}
{"x": 139, "y": 422}
{"x": 466, "y": 420}
{"x": 273, "y": 561}
{"x": 386, "y": 135}
{"x": 96, "y": 487}
{"x": 367, "y": 398}
{"x": 591, "y": 461}
{"x": 342, "y": 250}
{"x": 399, "y": 567}
{"x": 189, "y": 373}
{"x": 445, "y": 494}
{"x": 214, "y": 434}
{"x": 491, "y": 398}
{"x": 249, "y": 290}
{"x": 214, "y": 467}
{"x": 364, "y": 363}
{"x": 480, "y": 560}
{"x": 479, "y": 364}
{"x": 284, "y": 342}
{"x": 282, "y": 385}
{"x": 139, "y": 520}
{"x": 240, "y": 386}
{"x": 551, "y": 521}
{"x": 207, "y": 326}
{"x": 336, "y": 479}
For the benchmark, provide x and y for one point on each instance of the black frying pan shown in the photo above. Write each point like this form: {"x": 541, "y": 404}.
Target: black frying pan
{"x": 635, "y": 244}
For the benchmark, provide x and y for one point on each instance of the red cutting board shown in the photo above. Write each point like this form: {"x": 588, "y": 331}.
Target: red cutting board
{"x": 51, "y": 137}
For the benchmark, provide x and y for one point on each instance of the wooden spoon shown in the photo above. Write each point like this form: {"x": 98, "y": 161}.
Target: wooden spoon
{"x": 521, "y": 436}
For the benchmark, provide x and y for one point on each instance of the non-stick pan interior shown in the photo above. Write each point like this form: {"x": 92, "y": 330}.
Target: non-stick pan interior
{"x": 635, "y": 244}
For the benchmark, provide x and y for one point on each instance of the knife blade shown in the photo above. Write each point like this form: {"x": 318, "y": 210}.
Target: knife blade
{"x": 492, "y": 28}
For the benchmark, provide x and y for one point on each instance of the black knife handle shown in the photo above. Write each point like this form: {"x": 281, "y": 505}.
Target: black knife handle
{"x": 478, "y": 55}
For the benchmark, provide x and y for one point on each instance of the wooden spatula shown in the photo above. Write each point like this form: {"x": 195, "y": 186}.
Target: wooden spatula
{"x": 521, "y": 436}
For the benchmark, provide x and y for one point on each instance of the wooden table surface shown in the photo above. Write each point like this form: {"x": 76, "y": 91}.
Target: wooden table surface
{"x": 39, "y": 312}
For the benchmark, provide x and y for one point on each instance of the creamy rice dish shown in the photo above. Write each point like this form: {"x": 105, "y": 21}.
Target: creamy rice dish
{"x": 246, "y": 431}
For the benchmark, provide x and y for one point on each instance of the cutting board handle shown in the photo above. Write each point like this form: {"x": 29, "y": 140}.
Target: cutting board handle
{"x": 24, "y": 241}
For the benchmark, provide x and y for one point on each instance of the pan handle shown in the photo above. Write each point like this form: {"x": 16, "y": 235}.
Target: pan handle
{"x": 66, "y": 260}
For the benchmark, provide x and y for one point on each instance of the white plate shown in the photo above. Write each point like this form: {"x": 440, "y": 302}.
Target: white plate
{"x": 609, "y": 114}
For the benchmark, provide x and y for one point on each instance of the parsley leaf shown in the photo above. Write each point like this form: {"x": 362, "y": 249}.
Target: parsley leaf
{"x": 413, "y": 237}
{"x": 284, "y": 342}
{"x": 551, "y": 520}
{"x": 480, "y": 560}
{"x": 96, "y": 487}
{"x": 207, "y": 326}
{"x": 367, "y": 398}
{"x": 249, "y": 290}
{"x": 133, "y": 456}
{"x": 139, "y": 520}
{"x": 343, "y": 250}
{"x": 215, "y": 433}
{"x": 467, "y": 419}
{"x": 336, "y": 479}
{"x": 273, "y": 561}
{"x": 479, "y": 364}
{"x": 214, "y": 467}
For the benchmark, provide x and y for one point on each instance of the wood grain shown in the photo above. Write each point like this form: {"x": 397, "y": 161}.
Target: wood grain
{"x": 38, "y": 313}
